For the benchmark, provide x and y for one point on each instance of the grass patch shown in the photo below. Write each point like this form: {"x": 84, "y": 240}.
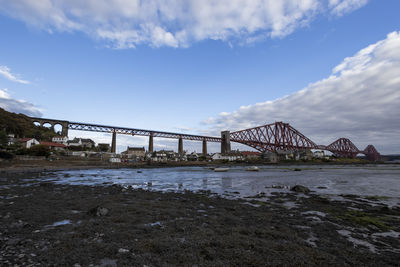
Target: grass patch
{"x": 364, "y": 219}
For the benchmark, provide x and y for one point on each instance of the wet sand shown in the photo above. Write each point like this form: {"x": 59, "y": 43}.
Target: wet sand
{"x": 43, "y": 224}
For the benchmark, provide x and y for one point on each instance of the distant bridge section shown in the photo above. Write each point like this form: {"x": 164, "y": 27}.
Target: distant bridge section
{"x": 281, "y": 136}
{"x": 114, "y": 130}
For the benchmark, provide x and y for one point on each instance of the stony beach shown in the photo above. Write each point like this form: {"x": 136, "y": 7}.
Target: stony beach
{"x": 45, "y": 224}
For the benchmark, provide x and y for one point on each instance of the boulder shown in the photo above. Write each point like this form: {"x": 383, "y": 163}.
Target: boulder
{"x": 300, "y": 189}
{"x": 98, "y": 211}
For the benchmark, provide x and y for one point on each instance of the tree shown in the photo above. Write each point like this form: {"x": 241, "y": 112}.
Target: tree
{"x": 39, "y": 150}
{"x": 3, "y": 139}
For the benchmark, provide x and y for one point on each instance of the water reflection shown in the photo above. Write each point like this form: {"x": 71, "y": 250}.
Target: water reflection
{"x": 382, "y": 180}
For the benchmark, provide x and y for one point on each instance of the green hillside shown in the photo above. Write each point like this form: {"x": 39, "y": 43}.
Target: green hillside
{"x": 22, "y": 126}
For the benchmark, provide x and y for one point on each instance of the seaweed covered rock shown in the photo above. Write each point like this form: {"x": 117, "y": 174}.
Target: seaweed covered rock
{"x": 300, "y": 189}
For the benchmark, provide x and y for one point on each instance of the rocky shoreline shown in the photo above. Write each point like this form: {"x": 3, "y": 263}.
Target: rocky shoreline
{"x": 46, "y": 224}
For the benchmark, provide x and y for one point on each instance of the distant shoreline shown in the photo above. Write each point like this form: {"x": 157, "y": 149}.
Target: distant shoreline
{"x": 42, "y": 166}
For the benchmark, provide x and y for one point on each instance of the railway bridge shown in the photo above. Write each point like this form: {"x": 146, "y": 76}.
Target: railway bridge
{"x": 272, "y": 137}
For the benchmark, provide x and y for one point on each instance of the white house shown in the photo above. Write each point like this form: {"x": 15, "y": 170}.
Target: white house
{"x": 60, "y": 139}
{"x": 229, "y": 157}
{"x": 28, "y": 142}
{"x": 319, "y": 154}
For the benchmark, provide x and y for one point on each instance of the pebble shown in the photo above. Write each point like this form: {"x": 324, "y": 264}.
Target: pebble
{"x": 123, "y": 250}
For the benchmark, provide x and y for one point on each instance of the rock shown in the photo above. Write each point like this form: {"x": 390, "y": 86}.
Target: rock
{"x": 123, "y": 250}
{"x": 300, "y": 189}
{"x": 108, "y": 263}
{"x": 98, "y": 211}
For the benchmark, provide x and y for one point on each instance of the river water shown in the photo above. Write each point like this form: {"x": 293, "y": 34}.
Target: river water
{"x": 365, "y": 180}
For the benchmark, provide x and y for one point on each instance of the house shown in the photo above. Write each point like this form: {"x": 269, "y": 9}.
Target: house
{"x": 192, "y": 156}
{"x": 231, "y": 156}
{"x": 159, "y": 156}
{"x": 104, "y": 147}
{"x": 54, "y": 146}
{"x": 251, "y": 154}
{"x": 11, "y": 139}
{"x": 319, "y": 154}
{"x": 28, "y": 142}
{"x": 74, "y": 142}
{"x": 270, "y": 156}
{"x": 60, "y": 139}
{"x": 86, "y": 143}
{"x": 134, "y": 152}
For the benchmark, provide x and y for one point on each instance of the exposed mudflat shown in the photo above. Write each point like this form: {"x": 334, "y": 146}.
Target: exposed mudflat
{"x": 42, "y": 223}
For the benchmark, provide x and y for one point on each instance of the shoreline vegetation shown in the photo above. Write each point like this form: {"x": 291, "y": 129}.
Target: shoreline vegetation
{"x": 43, "y": 224}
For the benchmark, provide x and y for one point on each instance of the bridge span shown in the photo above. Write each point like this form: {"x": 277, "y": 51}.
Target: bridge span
{"x": 272, "y": 137}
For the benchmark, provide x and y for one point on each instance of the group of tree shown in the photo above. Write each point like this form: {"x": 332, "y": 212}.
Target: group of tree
{"x": 21, "y": 126}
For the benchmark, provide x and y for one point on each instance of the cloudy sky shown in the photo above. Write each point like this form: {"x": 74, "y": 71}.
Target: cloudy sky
{"x": 331, "y": 68}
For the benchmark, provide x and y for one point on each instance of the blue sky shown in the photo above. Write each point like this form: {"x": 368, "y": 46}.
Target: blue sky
{"x": 86, "y": 63}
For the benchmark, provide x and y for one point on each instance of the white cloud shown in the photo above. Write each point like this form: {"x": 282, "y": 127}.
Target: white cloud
{"x": 360, "y": 100}
{"x": 340, "y": 7}
{"x": 6, "y": 73}
{"x": 18, "y": 106}
{"x": 174, "y": 23}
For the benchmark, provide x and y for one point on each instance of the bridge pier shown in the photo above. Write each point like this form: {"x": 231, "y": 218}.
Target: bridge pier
{"x": 151, "y": 142}
{"x": 114, "y": 142}
{"x": 204, "y": 147}
{"x": 64, "y": 131}
{"x": 180, "y": 146}
{"x": 225, "y": 142}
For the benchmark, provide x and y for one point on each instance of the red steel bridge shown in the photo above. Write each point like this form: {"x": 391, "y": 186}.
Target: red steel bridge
{"x": 274, "y": 137}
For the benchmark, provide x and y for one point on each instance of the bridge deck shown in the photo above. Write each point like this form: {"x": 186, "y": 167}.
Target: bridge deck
{"x": 141, "y": 132}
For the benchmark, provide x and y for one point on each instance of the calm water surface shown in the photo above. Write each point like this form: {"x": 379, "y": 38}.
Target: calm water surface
{"x": 367, "y": 180}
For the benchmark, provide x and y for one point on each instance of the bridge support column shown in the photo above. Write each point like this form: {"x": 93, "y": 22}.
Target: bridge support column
{"x": 180, "y": 146}
{"x": 204, "y": 147}
{"x": 114, "y": 142}
{"x": 64, "y": 131}
{"x": 225, "y": 142}
{"x": 151, "y": 142}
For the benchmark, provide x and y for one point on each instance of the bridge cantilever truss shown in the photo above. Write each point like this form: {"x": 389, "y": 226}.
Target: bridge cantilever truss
{"x": 273, "y": 137}
{"x": 281, "y": 136}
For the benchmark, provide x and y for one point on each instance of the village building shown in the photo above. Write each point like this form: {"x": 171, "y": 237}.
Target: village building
{"x": 54, "y": 146}
{"x": 270, "y": 157}
{"x": 28, "y": 142}
{"x": 134, "y": 153}
{"x": 104, "y": 147}
{"x": 85, "y": 143}
{"x": 192, "y": 156}
{"x": 319, "y": 154}
{"x": 60, "y": 139}
{"x": 251, "y": 155}
{"x": 231, "y": 156}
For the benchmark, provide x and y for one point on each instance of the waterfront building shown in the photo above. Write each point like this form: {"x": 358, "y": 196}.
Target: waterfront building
{"x": 54, "y": 146}
{"x": 251, "y": 155}
{"x": 134, "y": 153}
{"x": 60, "y": 139}
{"x": 28, "y": 142}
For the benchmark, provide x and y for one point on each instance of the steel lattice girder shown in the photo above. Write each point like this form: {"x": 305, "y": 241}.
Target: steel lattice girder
{"x": 273, "y": 137}
{"x": 371, "y": 153}
{"x": 343, "y": 147}
{"x": 131, "y": 131}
